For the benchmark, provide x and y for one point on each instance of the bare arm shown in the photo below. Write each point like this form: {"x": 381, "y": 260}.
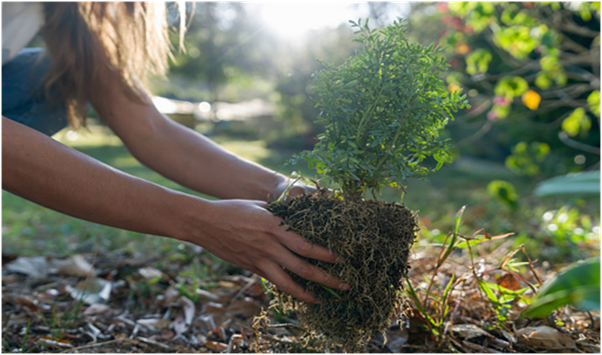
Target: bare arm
{"x": 44, "y": 171}
{"x": 241, "y": 231}
{"x": 185, "y": 156}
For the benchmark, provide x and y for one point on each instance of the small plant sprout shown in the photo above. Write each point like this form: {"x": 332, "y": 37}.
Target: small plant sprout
{"x": 382, "y": 110}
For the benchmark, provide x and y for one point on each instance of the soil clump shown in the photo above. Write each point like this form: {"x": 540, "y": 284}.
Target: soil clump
{"x": 375, "y": 238}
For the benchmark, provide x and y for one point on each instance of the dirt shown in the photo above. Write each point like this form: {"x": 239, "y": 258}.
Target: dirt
{"x": 375, "y": 238}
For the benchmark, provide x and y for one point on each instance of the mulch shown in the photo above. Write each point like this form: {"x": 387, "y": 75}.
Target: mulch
{"x": 119, "y": 302}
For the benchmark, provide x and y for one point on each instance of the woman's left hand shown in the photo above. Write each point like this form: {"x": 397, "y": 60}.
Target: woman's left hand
{"x": 298, "y": 188}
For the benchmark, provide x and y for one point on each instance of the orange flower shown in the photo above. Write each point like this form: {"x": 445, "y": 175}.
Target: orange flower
{"x": 531, "y": 99}
{"x": 463, "y": 49}
{"x": 453, "y": 87}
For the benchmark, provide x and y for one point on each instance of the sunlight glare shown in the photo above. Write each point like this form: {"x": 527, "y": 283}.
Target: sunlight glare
{"x": 293, "y": 20}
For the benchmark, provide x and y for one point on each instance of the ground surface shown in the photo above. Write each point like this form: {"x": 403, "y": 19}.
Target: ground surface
{"x": 193, "y": 303}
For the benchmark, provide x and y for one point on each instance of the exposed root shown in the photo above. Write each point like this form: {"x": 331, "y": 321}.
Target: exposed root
{"x": 375, "y": 239}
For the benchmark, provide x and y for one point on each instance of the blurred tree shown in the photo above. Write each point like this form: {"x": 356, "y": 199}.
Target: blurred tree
{"x": 224, "y": 43}
{"x": 297, "y": 62}
{"x": 532, "y": 72}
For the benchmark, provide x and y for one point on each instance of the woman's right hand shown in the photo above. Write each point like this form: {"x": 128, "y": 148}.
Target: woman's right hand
{"x": 245, "y": 233}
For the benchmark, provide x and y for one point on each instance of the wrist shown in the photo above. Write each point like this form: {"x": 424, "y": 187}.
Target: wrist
{"x": 190, "y": 215}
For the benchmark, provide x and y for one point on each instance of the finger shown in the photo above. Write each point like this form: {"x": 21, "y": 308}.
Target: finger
{"x": 311, "y": 272}
{"x": 297, "y": 190}
{"x": 301, "y": 246}
{"x": 276, "y": 275}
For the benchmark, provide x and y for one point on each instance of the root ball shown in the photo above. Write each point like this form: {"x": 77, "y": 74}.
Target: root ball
{"x": 375, "y": 239}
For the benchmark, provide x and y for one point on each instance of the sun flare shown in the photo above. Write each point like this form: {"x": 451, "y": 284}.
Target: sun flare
{"x": 293, "y": 20}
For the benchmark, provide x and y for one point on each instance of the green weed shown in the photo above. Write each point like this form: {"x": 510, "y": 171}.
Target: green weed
{"x": 437, "y": 306}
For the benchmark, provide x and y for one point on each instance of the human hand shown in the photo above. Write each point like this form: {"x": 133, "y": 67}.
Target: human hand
{"x": 298, "y": 188}
{"x": 243, "y": 232}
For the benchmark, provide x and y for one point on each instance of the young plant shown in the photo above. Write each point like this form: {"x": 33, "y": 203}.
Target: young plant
{"x": 382, "y": 110}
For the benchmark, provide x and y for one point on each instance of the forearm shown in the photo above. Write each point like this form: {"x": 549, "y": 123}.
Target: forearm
{"x": 184, "y": 155}
{"x": 46, "y": 172}
{"x": 194, "y": 161}
{"x": 244, "y": 232}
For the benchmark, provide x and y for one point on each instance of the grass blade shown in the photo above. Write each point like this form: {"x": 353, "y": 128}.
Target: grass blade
{"x": 331, "y": 291}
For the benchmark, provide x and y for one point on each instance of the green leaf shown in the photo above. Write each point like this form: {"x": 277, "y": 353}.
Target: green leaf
{"x": 448, "y": 287}
{"x": 458, "y": 220}
{"x": 587, "y": 183}
{"x": 593, "y": 101}
{"x": 577, "y": 122}
{"x": 466, "y": 243}
{"x": 504, "y": 192}
{"x": 452, "y": 243}
{"x": 487, "y": 288}
{"x": 478, "y": 61}
{"x": 511, "y": 86}
{"x": 330, "y": 291}
{"x": 577, "y": 285}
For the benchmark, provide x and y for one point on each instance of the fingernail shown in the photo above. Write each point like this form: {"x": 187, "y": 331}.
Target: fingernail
{"x": 344, "y": 286}
{"x": 340, "y": 259}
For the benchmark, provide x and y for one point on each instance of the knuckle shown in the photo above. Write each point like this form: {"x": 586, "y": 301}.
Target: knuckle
{"x": 306, "y": 271}
{"x": 303, "y": 248}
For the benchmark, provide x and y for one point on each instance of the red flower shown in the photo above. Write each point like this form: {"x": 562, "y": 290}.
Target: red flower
{"x": 492, "y": 116}
{"x": 442, "y": 7}
{"x": 501, "y": 101}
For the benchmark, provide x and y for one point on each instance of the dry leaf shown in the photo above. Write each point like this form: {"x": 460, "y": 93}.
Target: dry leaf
{"x": 510, "y": 282}
{"x": 166, "y": 334}
{"x": 179, "y": 324}
{"x": 206, "y": 296}
{"x": 216, "y": 346}
{"x": 55, "y": 343}
{"x": 171, "y": 295}
{"x": 188, "y": 308}
{"x": 469, "y": 331}
{"x": 245, "y": 308}
{"x": 90, "y": 291}
{"x": 150, "y": 273}
{"x": 9, "y": 279}
{"x": 234, "y": 343}
{"x": 35, "y": 267}
{"x": 154, "y": 323}
{"x": 96, "y": 308}
{"x": 74, "y": 266}
{"x": 25, "y": 300}
{"x": 397, "y": 339}
{"x": 545, "y": 338}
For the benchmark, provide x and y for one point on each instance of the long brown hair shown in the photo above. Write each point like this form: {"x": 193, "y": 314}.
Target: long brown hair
{"x": 84, "y": 39}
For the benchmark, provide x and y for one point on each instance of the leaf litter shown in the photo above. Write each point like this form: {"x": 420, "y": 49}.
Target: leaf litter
{"x": 471, "y": 302}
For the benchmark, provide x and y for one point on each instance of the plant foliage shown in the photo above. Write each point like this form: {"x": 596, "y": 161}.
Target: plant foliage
{"x": 578, "y": 285}
{"x": 382, "y": 110}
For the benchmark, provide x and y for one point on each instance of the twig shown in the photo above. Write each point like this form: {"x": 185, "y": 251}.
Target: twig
{"x": 477, "y": 135}
{"x": 426, "y": 297}
{"x": 458, "y": 345}
{"x": 531, "y": 265}
{"x": 272, "y": 338}
{"x": 475, "y": 273}
{"x": 97, "y": 344}
{"x": 564, "y": 138}
{"x": 285, "y": 325}
{"x": 479, "y": 348}
{"x": 244, "y": 289}
{"x": 152, "y": 342}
